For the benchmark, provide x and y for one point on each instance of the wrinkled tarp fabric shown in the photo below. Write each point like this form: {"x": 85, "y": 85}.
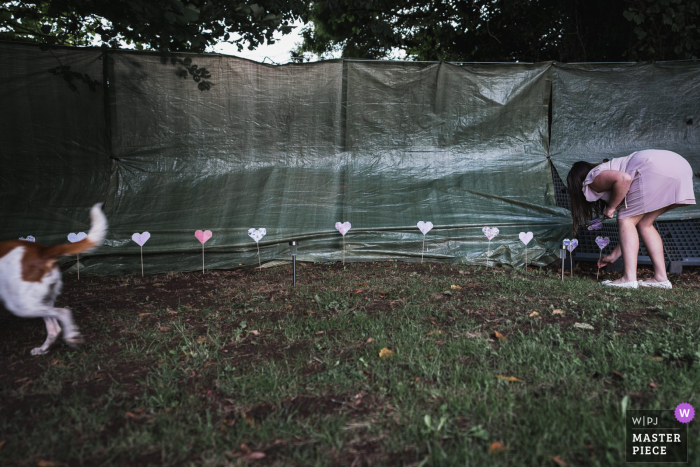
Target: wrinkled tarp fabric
{"x": 291, "y": 148}
{"x": 612, "y": 110}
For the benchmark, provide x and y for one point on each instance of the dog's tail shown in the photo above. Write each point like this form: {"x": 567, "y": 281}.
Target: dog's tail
{"x": 96, "y": 235}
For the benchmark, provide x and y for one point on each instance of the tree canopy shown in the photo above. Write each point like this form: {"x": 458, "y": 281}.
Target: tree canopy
{"x": 162, "y": 25}
{"x": 506, "y": 30}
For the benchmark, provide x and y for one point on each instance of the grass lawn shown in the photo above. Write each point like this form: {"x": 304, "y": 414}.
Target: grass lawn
{"x": 237, "y": 367}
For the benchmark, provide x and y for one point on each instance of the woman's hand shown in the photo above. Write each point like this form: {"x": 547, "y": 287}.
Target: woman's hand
{"x": 611, "y": 258}
{"x": 609, "y": 212}
{"x": 606, "y": 260}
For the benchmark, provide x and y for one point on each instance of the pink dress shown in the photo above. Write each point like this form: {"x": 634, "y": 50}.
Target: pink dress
{"x": 659, "y": 179}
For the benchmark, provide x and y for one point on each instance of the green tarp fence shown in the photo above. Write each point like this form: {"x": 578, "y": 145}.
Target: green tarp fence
{"x": 296, "y": 148}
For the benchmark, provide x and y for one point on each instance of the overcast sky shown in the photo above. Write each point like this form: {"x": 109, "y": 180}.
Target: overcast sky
{"x": 279, "y": 52}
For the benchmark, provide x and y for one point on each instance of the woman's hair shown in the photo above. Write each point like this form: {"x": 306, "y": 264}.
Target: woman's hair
{"x": 582, "y": 210}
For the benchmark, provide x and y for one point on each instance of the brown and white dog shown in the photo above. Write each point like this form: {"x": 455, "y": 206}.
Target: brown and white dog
{"x": 30, "y": 280}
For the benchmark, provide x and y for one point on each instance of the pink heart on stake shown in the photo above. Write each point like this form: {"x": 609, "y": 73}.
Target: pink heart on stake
{"x": 141, "y": 238}
{"x": 203, "y": 236}
{"x": 526, "y": 237}
{"x": 425, "y": 227}
{"x": 602, "y": 242}
{"x": 73, "y": 237}
{"x": 490, "y": 232}
{"x": 343, "y": 228}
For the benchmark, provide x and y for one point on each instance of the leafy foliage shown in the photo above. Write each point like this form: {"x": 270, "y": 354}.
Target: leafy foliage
{"x": 499, "y": 30}
{"x": 163, "y": 25}
{"x": 666, "y": 29}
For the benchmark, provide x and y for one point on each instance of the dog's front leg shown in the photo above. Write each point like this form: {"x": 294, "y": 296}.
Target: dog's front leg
{"x": 52, "y": 330}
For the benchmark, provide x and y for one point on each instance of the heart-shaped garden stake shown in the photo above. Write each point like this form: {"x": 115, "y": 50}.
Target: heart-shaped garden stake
{"x": 203, "y": 237}
{"x": 343, "y": 229}
{"x": 424, "y": 227}
{"x": 596, "y": 224}
{"x": 490, "y": 232}
{"x": 602, "y": 242}
{"x": 571, "y": 246}
{"x": 140, "y": 239}
{"x": 28, "y": 239}
{"x": 525, "y": 237}
{"x": 257, "y": 235}
{"x": 73, "y": 237}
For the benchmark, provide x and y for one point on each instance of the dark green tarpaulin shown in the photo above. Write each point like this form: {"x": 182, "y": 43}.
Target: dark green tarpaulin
{"x": 612, "y": 110}
{"x": 291, "y": 148}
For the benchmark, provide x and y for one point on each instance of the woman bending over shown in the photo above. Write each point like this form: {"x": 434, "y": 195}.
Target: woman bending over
{"x": 640, "y": 187}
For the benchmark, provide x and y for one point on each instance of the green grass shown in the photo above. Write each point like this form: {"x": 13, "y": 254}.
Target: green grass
{"x": 229, "y": 365}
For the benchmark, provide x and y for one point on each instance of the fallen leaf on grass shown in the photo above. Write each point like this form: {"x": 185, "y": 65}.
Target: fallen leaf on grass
{"x": 172, "y": 312}
{"x": 463, "y": 272}
{"x": 584, "y": 326}
{"x": 499, "y": 336}
{"x": 144, "y": 314}
{"x": 559, "y": 461}
{"x": 359, "y": 291}
{"x": 558, "y": 312}
{"x": 309, "y": 312}
{"x": 618, "y": 374}
{"x": 43, "y": 463}
{"x": 254, "y": 456}
{"x": 288, "y": 306}
{"x": 533, "y": 314}
{"x": 386, "y": 353}
{"x": 361, "y": 285}
{"x": 434, "y": 332}
{"x": 201, "y": 339}
{"x": 164, "y": 328}
{"x": 653, "y": 385}
{"x": 255, "y": 333}
{"x": 321, "y": 332}
{"x": 370, "y": 340}
{"x": 381, "y": 292}
{"x": 497, "y": 446}
{"x": 512, "y": 379}
{"x": 455, "y": 287}
{"x": 656, "y": 358}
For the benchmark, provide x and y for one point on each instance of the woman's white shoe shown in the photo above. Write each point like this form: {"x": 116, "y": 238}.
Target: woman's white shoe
{"x": 659, "y": 285}
{"x": 623, "y": 285}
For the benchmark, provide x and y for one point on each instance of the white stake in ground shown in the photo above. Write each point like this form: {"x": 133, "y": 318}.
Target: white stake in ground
{"x": 140, "y": 239}
{"x": 602, "y": 242}
{"x": 343, "y": 229}
{"x": 490, "y": 233}
{"x": 424, "y": 227}
{"x": 525, "y": 238}
{"x": 203, "y": 237}
{"x": 257, "y": 235}
{"x": 72, "y": 237}
{"x": 571, "y": 247}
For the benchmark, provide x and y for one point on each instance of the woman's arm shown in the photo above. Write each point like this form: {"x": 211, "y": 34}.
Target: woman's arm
{"x": 617, "y": 183}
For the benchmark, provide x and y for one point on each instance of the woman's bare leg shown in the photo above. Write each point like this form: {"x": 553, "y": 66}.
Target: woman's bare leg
{"x": 629, "y": 244}
{"x": 652, "y": 240}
